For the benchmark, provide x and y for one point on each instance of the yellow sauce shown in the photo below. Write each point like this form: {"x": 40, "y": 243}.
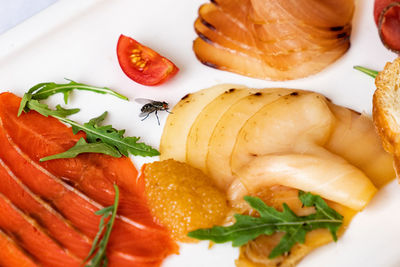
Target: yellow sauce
{"x": 183, "y": 198}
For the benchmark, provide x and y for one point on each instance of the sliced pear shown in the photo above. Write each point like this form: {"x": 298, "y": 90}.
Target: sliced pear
{"x": 354, "y": 138}
{"x": 223, "y": 137}
{"x": 177, "y": 126}
{"x": 201, "y": 130}
{"x": 299, "y": 122}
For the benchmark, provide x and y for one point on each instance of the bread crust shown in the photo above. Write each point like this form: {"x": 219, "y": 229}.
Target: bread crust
{"x": 386, "y": 109}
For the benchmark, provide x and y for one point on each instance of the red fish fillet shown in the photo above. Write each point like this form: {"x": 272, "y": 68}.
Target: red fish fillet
{"x": 11, "y": 254}
{"x": 56, "y": 200}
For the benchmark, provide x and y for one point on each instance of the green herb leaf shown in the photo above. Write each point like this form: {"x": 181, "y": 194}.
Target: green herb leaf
{"x": 45, "y": 90}
{"x": 323, "y": 211}
{"x": 247, "y": 228}
{"x": 372, "y": 73}
{"x": 103, "y": 235}
{"x": 82, "y": 147}
{"x": 101, "y": 139}
{"x": 107, "y": 134}
{"x": 24, "y": 102}
{"x": 46, "y": 111}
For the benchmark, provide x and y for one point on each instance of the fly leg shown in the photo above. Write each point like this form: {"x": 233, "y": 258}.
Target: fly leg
{"x": 158, "y": 120}
{"x": 148, "y": 114}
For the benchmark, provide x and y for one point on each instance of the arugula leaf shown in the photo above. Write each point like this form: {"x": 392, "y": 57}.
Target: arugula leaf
{"x": 247, "y": 228}
{"x": 114, "y": 141}
{"x": 107, "y": 134}
{"x": 372, "y": 73}
{"x": 323, "y": 210}
{"x": 101, "y": 139}
{"x": 100, "y": 258}
{"x": 45, "y": 90}
{"x": 46, "y": 111}
{"x": 82, "y": 147}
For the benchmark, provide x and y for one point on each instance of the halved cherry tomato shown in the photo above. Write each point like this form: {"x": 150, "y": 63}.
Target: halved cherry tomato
{"x": 142, "y": 64}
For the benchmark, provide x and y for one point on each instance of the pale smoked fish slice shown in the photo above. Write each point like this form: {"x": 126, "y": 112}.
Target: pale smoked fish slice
{"x": 202, "y": 128}
{"x": 285, "y": 42}
{"x": 334, "y": 180}
{"x": 174, "y": 138}
{"x": 276, "y": 128}
{"x": 223, "y": 136}
{"x": 355, "y": 139}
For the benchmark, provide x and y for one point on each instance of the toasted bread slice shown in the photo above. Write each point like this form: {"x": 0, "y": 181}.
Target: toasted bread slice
{"x": 386, "y": 109}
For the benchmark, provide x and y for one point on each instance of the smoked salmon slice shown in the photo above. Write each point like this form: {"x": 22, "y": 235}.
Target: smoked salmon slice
{"x": 56, "y": 200}
{"x": 31, "y": 237}
{"x": 29, "y": 203}
{"x": 11, "y": 254}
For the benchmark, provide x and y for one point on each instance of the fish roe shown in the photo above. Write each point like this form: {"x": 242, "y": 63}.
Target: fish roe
{"x": 183, "y": 198}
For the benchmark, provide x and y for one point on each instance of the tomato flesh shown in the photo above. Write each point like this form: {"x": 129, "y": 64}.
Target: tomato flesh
{"x": 142, "y": 64}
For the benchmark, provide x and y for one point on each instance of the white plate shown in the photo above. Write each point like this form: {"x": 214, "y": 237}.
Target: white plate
{"x": 77, "y": 40}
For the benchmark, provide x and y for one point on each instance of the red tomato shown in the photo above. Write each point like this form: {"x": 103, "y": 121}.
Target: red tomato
{"x": 142, "y": 64}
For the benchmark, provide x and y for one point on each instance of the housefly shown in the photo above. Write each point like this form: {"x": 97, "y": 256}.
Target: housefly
{"x": 150, "y": 106}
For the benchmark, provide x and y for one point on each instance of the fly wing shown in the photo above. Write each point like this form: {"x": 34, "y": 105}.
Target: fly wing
{"x": 143, "y": 114}
{"x": 143, "y": 101}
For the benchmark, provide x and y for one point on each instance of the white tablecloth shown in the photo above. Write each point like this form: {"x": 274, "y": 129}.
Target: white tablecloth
{"x": 13, "y": 12}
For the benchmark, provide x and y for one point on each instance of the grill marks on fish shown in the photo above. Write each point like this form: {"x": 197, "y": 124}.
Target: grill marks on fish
{"x": 47, "y": 210}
